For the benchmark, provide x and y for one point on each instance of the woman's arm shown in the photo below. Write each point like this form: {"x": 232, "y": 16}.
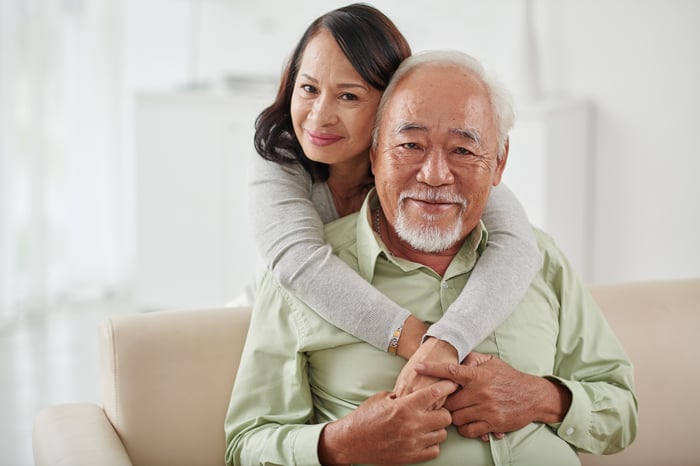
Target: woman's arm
{"x": 500, "y": 278}
{"x": 289, "y": 232}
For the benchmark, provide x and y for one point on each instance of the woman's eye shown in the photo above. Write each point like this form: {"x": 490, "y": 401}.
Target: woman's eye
{"x": 348, "y": 97}
{"x": 308, "y": 88}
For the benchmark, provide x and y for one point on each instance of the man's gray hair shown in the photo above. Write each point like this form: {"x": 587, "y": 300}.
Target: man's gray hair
{"x": 501, "y": 99}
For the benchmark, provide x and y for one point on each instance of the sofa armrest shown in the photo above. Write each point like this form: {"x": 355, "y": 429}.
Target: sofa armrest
{"x": 166, "y": 381}
{"x": 76, "y": 434}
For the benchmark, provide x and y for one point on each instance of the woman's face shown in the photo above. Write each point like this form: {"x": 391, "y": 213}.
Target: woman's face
{"x": 332, "y": 108}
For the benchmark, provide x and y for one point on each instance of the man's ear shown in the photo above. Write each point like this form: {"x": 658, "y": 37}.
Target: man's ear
{"x": 501, "y": 163}
{"x": 371, "y": 158}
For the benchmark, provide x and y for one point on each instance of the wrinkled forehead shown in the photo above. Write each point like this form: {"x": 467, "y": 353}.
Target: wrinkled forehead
{"x": 439, "y": 98}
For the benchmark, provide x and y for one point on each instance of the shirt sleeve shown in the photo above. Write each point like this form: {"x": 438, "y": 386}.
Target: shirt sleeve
{"x": 591, "y": 363}
{"x": 270, "y": 413}
{"x": 289, "y": 233}
{"x": 500, "y": 278}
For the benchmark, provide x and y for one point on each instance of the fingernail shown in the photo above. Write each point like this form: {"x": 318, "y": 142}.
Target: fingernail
{"x": 419, "y": 366}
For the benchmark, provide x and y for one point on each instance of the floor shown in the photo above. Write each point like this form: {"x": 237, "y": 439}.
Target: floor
{"x": 46, "y": 359}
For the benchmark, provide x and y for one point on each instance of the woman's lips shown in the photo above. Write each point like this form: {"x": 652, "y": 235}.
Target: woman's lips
{"x": 322, "y": 139}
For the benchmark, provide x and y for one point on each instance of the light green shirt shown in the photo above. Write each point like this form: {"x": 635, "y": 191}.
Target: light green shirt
{"x": 299, "y": 372}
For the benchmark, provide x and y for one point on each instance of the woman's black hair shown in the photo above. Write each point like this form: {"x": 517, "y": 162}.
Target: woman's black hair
{"x": 375, "y": 48}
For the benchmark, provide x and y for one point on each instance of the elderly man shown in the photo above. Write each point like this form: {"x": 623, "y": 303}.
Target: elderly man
{"x": 557, "y": 380}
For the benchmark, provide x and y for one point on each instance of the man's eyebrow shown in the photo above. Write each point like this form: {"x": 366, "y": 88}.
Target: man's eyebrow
{"x": 468, "y": 133}
{"x": 405, "y": 126}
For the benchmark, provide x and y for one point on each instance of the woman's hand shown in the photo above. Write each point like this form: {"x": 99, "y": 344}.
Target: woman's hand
{"x": 433, "y": 350}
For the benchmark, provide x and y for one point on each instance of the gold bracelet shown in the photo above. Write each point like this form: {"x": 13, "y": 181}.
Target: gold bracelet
{"x": 394, "y": 342}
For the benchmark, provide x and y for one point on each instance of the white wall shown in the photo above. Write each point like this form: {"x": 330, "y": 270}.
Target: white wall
{"x": 638, "y": 62}
{"x": 634, "y": 60}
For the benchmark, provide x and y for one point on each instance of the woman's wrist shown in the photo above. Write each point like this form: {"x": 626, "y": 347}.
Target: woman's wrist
{"x": 410, "y": 337}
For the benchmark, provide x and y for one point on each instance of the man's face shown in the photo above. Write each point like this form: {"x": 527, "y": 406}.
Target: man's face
{"x": 436, "y": 157}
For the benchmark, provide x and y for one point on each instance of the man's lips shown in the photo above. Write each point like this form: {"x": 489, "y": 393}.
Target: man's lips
{"x": 432, "y": 206}
{"x": 319, "y": 138}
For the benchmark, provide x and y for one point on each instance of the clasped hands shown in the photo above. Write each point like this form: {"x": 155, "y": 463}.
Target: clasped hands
{"x": 436, "y": 360}
{"x": 482, "y": 396}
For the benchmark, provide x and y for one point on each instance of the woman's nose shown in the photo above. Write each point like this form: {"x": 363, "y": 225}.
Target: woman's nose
{"x": 323, "y": 110}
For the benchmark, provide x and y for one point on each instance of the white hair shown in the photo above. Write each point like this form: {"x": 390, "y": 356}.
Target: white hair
{"x": 500, "y": 98}
{"x": 425, "y": 235}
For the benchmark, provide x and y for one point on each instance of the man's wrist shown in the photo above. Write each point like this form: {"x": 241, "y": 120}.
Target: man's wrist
{"x": 329, "y": 451}
{"x": 555, "y": 400}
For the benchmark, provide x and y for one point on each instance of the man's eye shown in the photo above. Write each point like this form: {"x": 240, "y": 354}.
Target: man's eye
{"x": 409, "y": 145}
{"x": 463, "y": 151}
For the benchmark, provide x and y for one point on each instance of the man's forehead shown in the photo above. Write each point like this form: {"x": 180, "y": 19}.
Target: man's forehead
{"x": 432, "y": 100}
{"x": 433, "y": 85}
{"x": 440, "y": 74}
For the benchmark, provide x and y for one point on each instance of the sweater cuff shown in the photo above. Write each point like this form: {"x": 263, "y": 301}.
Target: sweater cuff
{"x": 398, "y": 321}
{"x": 449, "y": 330}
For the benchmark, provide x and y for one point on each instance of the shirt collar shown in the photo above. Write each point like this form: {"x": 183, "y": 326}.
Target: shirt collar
{"x": 370, "y": 246}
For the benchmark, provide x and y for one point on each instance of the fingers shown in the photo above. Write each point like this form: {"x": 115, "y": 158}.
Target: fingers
{"x": 432, "y": 396}
{"x": 400, "y": 388}
{"x": 461, "y": 375}
{"x": 477, "y": 429}
{"x": 442, "y": 389}
{"x": 412, "y": 383}
{"x": 474, "y": 359}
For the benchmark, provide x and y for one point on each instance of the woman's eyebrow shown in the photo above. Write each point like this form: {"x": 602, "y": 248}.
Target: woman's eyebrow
{"x": 348, "y": 85}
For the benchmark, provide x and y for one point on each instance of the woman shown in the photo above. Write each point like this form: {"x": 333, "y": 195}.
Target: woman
{"x": 315, "y": 140}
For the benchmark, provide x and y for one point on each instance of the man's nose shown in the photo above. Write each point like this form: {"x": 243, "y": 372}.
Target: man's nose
{"x": 435, "y": 170}
{"x": 323, "y": 110}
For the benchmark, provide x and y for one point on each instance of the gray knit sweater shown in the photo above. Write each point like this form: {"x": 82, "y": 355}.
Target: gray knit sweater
{"x": 288, "y": 214}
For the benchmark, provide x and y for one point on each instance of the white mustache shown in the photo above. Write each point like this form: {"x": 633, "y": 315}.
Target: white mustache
{"x": 433, "y": 195}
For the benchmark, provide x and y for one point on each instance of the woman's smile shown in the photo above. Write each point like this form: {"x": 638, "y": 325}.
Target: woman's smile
{"x": 319, "y": 138}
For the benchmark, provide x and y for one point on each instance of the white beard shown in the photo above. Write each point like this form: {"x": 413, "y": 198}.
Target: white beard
{"x": 426, "y": 236}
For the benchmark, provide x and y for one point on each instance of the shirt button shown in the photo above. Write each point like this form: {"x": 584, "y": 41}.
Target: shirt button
{"x": 569, "y": 431}
{"x": 445, "y": 285}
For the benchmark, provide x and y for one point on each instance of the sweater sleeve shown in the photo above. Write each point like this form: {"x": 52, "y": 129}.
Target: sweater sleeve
{"x": 500, "y": 278}
{"x": 289, "y": 233}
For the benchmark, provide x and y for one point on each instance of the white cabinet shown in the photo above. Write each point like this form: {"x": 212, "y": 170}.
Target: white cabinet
{"x": 193, "y": 243}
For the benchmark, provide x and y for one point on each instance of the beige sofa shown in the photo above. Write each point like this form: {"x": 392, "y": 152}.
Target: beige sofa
{"x": 166, "y": 379}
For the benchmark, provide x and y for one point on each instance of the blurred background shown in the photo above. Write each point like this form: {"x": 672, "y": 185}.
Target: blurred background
{"x": 126, "y": 129}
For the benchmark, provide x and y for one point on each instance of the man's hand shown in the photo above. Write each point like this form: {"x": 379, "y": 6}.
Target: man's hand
{"x": 498, "y": 398}
{"x": 433, "y": 350}
{"x": 386, "y": 429}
